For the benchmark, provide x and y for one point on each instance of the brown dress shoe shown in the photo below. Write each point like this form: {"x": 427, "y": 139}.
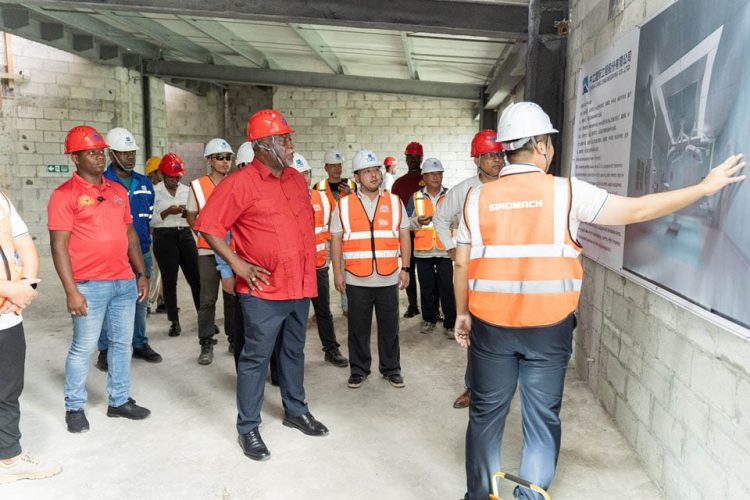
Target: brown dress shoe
{"x": 463, "y": 400}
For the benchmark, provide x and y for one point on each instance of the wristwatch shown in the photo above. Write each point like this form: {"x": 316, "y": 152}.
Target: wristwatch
{"x": 407, "y": 269}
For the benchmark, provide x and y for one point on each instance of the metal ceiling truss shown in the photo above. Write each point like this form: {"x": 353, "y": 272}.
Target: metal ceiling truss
{"x": 317, "y": 44}
{"x": 458, "y": 17}
{"x": 253, "y": 76}
{"x": 90, "y": 39}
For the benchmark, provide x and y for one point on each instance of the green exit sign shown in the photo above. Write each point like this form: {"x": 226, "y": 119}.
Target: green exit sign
{"x": 57, "y": 169}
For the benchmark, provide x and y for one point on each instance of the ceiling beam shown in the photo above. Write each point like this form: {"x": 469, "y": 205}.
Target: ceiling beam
{"x": 252, "y": 76}
{"x": 408, "y": 45}
{"x": 223, "y": 35}
{"x": 320, "y": 47}
{"x": 161, "y": 34}
{"x": 508, "y": 72}
{"x": 92, "y": 26}
{"x": 459, "y": 17}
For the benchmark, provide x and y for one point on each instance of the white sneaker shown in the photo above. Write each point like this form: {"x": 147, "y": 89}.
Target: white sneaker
{"x": 27, "y": 467}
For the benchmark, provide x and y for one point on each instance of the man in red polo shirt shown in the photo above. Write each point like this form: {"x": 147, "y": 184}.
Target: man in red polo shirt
{"x": 94, "y": 246}
{"x": 267, "y": 207}
{"x": 405, "y": 187}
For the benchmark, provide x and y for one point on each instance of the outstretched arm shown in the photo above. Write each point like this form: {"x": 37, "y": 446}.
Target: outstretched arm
{"x": 620, "y": 210}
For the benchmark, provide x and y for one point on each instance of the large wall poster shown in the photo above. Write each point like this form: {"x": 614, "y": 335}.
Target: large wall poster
{"x": 690, "y": 110}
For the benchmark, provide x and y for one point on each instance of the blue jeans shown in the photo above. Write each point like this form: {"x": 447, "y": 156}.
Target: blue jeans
{"x": 265, "y": 322}
{"x": 112, "y": 302}
{"x": 141, "y": 309}
{"x": 535, "y": 359}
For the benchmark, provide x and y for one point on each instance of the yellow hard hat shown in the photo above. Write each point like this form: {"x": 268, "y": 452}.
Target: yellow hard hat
{"x": 152, "y": 164}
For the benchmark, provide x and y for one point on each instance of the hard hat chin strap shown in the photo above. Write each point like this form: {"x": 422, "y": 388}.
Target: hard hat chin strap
{"x": 119, "y": 163}
{"x": 546, "y": 150}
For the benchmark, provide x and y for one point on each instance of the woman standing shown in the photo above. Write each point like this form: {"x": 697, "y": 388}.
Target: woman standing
{"x": 174, "y": 246}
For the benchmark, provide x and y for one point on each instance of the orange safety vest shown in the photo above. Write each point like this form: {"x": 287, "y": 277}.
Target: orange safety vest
{"x": 524, "y": 269}
{"x": 323, "y": 187}
{"x": 322, "y": 217}
{"x": 371, "y": 245}
{"x": 426, "y": 238}
{"x": 203, "y": 187}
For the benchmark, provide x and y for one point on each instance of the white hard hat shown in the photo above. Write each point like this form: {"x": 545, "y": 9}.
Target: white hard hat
{"x": 217, "y": 146}
{"x": 364, "y": 159}
{"x": 245, "y": 153}
{"x": 520, "y": 122}
{"x": 432, "y": 165}
{"x": 300, "y": 164}
{"x": 120, "y": 139}
{"x": 332, "y": 157}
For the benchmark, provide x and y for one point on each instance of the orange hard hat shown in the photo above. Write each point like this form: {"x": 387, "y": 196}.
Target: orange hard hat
{"x": 414, "y": 148}
{"x": 485, "y": 142}
{"x": 265, "y": 123}
{"x": 390, "y": 161}
{"x": 171, "y": 165}
{"x": 83, "y": 138}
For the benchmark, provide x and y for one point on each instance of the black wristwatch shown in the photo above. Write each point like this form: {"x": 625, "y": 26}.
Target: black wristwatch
{"x": 407, "y": 269}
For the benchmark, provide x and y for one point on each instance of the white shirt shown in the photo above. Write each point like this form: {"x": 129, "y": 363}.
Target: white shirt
{"x": 450, "y": 212}
{"x": 388, "y": 180}
{"x": 18, "y": 228}
{"x": 374, "y": 279}
{"x": 585, "y": 206}
{"x": 163, "y": 199}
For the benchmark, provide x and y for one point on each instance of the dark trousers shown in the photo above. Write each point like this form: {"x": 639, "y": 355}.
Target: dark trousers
{"x": 322, "y": 306}
{"x": 411, "y": 290}
{"x": 384, "y": 299}
{"x": 265, "y": 322}
{"x": 175, "y": 249}
{"x": 210, "y": 284}
{"x": 535, "y": 359}
{"x": 238, "y": 327}
{"x": 436, "y": 282}
{"x": 12, "y": 358}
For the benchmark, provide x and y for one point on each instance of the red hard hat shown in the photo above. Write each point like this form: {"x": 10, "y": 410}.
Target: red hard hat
{"x": 390, "y": 161}
{"x": 83, "y": 138}
{"x": 485, "y": 142}
{"x": 171, "y": 165}
{"x": 265, "y": 123}
{"x": 414, "y": 148}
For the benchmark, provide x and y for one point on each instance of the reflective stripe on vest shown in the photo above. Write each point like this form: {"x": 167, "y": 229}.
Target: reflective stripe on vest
{"x": 523, "y": 269}
{"x": 426, "y": 238}
{"x": 362, "y": 243}
{"x": 322, "y": 217}
{"x": 324, "y": 188}
{"x": 202, "y": 187}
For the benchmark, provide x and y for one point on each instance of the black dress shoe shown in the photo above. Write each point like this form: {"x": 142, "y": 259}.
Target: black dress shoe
{"x": 253, "y": 446}
{"x": 335, "y": 357}
{"x": 146, "y": 353}
{"x": 307, "y": 424}
{"x": 411, "y": 312}
{"x": 76, "y": 421}
{"x": 128, "y": 410}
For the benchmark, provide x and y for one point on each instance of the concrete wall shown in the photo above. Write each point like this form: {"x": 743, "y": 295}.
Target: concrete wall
{"x": 383, "y": 123}
{"x": 59, "y": 91}
{"x": 191, "y": 122}
{"x": 677, "y": 385}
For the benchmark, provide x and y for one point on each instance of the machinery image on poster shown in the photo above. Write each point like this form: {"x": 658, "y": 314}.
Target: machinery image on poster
{"x": 691, "y": 111}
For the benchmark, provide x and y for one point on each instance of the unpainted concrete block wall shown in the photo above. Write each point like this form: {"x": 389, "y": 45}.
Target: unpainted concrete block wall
{"x": 192, "y": 121}
{"x": 678, "y": 386}
{"x": 383, "y": 123}
{"x": 56, "y": 92}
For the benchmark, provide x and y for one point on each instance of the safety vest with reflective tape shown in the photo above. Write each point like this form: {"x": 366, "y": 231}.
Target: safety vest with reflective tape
{"x": 524, "y": 269}
{"x": 371, "y": 246}
{"x": 322, "y": 217}
{"x": 324, "y": 187}
{"x": 202, "y": 188}
{"x": 426, "y": 238}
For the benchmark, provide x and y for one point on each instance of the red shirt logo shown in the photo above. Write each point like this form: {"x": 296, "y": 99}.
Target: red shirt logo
{"x": 85, "y": 200}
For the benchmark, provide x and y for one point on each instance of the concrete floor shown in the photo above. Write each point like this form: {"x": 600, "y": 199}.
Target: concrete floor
{"x": 385, "y": 443}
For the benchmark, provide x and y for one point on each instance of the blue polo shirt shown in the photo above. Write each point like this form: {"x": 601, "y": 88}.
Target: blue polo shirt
{"x": 141, "y": 196}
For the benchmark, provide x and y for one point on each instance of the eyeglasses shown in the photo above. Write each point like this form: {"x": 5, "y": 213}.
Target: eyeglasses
{"x": 494, "y": 155}
{"x": 222, "y": 157}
